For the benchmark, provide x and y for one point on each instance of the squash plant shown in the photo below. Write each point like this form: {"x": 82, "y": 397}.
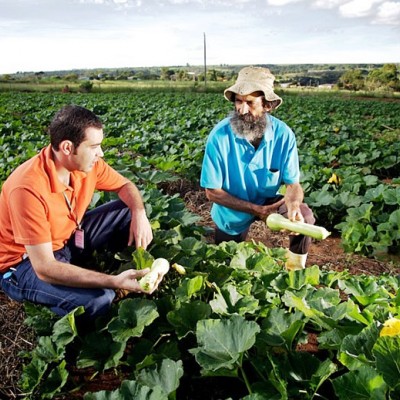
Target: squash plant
{"x": 237, "y": 315}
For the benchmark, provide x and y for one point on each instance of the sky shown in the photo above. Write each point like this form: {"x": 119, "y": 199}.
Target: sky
{"x": 52, "y": 35}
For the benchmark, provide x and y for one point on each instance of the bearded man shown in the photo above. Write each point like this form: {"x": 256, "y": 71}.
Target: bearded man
{"x": 248, "y": 157}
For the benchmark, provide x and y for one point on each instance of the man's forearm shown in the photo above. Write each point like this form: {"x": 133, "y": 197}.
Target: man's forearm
{"x": 294, "y": 194}
{"x": 60, "y": 273}
{"x": 293, "y": 198}
{"x": 131, "y": 196}
{"x": 225, "y": 199}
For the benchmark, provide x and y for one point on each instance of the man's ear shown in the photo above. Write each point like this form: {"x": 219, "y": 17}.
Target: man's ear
{"x": 67, "y": 147}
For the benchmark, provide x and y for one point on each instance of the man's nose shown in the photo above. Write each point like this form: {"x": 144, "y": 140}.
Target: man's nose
{"x": 244, "y": 108}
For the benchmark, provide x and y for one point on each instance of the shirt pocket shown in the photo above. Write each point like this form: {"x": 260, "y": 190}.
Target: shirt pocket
{"x": 268, "y": 178}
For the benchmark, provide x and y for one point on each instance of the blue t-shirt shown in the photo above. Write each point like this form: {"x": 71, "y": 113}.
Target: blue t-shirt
{"x": 233, "y": 164}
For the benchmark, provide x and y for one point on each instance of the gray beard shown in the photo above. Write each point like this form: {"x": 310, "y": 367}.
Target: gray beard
{"x": 248, "y": 127}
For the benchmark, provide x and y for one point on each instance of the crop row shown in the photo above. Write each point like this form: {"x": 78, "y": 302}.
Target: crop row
{"x": 349, "y": 149}
{"x": 234, "y": 325}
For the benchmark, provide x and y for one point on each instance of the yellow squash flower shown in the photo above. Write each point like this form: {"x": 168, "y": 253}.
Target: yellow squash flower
{"x": 391, "y": 327}
{"x": 179, "y": 268}
{"x": 334, "y": 179}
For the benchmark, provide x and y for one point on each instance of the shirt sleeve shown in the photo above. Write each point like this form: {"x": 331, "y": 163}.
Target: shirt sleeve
{"x": 291, "y": 173}
{"x": 108, "y": 178}
{"x": 29, "y": 218}
{"x": 212, "y": 168}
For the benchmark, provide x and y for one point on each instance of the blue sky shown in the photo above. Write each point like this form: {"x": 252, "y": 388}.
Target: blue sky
{"x": 46, "y": 35}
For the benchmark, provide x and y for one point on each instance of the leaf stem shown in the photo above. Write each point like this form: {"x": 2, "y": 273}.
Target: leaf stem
{"x": 246, "y": 381}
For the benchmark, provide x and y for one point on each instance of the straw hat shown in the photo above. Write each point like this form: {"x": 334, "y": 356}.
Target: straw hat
{"x": 254, "y": 79}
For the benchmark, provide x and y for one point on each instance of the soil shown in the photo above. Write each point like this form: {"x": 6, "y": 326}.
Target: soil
{"x": 16, "y": 337}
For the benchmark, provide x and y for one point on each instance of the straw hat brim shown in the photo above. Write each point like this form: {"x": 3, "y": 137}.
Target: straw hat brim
{"x": 245, "y": 88}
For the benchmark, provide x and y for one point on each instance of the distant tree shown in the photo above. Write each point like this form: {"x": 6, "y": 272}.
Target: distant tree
{"x": 386, "y": 77}
{"x": 181, "y": 75}
{"x": 146, "y": 74}
{"x": 71, "y": 77}
{"x": 352, "y": 79}
{"x": 330, "y": 76}
{"x": 213, "y": 75}
{"x": 166, "y": 74}
{"x": 86, "y": 86}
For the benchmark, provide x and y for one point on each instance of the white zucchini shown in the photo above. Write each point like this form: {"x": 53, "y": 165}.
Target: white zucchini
{"x": 159, "y": 268}
{"x": 148, "y": 282}
{"x": 161, "y": 265}
{"x": 277, "y": 222}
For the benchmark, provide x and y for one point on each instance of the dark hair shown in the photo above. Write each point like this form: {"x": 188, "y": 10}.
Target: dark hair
{"x": 271, "y": 104}
{"x": 70, "y": 123}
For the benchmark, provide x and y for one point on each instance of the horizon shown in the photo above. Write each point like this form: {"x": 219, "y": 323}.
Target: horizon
{"x": 227, "y": 66}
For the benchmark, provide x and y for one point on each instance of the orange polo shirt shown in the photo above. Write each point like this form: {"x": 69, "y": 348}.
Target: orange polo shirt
{"x": 33, "y": 209}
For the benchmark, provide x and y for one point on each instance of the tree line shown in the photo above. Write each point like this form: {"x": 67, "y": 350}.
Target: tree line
{"x": 384, "y": 77}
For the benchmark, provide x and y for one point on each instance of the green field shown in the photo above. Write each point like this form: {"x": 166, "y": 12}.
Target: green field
{"x": 237, "y": 318}
{"x": 356, "y": 140}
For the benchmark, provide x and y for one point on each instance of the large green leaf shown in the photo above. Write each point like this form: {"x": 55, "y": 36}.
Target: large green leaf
{"x": 280, "y": 328}
{"x": 296, "y": 280}
{"x": 133, "y": 316}
{"x": 223, "y": 342}
{"x": 365, "y": 290}
{"x": 48, "y": 350}
{"x": 306, "y": 371}
{"x": 167, "y": 376}
{"x": 185, "y": 318}
{"x": 40, "y": 318}
{"x": 55, "y": 381}
{"x": 100, "y": 351}
{"x": 32, "y": 374}
{"x": 64, "y": 330}
{"x": 387, "y": 353}
{"x": 356, "y": 350}
{"x": 142, "y": 259}
{"x": 300, "y": 278}
{"x": 230, "y": 301}
{"x": 129, "y": 390}
{"x": 362, "y": 384}
{"x": 189, "y": 287}
{"x": 300, "y": 303}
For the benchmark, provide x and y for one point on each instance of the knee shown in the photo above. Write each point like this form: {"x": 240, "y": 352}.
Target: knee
{"x": 307, "y": 214}
{"x": 99, "y": 305}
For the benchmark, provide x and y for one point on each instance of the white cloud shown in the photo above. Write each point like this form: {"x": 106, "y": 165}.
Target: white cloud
{"x": 388, "y": 13}
{"x": 281, "y": 2}
{"x": 328, "y": 4}
{"x": 47, "y": 35}
{"x": 379, "y": 11}
{"x": 358, "y": 8}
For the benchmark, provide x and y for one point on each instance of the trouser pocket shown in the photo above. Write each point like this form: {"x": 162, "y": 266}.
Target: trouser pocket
{"x": 10, "y": 287}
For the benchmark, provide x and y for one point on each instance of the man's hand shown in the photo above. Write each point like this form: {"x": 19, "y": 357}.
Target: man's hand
{"x": 264, "y": 211}
{"x": 293, "y": 199}
{"x": 128, "y": 280}
{"x": 140, "y": 230}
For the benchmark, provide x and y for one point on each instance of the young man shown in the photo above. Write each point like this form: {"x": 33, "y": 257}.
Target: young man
{"x": 45, "y": 227}
{"x": 248, "y": 156}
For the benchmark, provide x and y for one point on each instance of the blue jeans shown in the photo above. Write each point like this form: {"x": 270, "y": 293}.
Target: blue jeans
{"x": 106, "y": 227}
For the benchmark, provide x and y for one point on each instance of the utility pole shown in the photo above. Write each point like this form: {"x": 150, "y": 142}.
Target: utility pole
{"x": 205, "y": 61}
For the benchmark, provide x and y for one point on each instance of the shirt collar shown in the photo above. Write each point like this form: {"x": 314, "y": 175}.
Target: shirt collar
{"x": 50, "y": 168}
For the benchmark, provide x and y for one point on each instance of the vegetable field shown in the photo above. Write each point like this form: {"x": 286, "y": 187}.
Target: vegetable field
{"x": 232, "y": 324}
